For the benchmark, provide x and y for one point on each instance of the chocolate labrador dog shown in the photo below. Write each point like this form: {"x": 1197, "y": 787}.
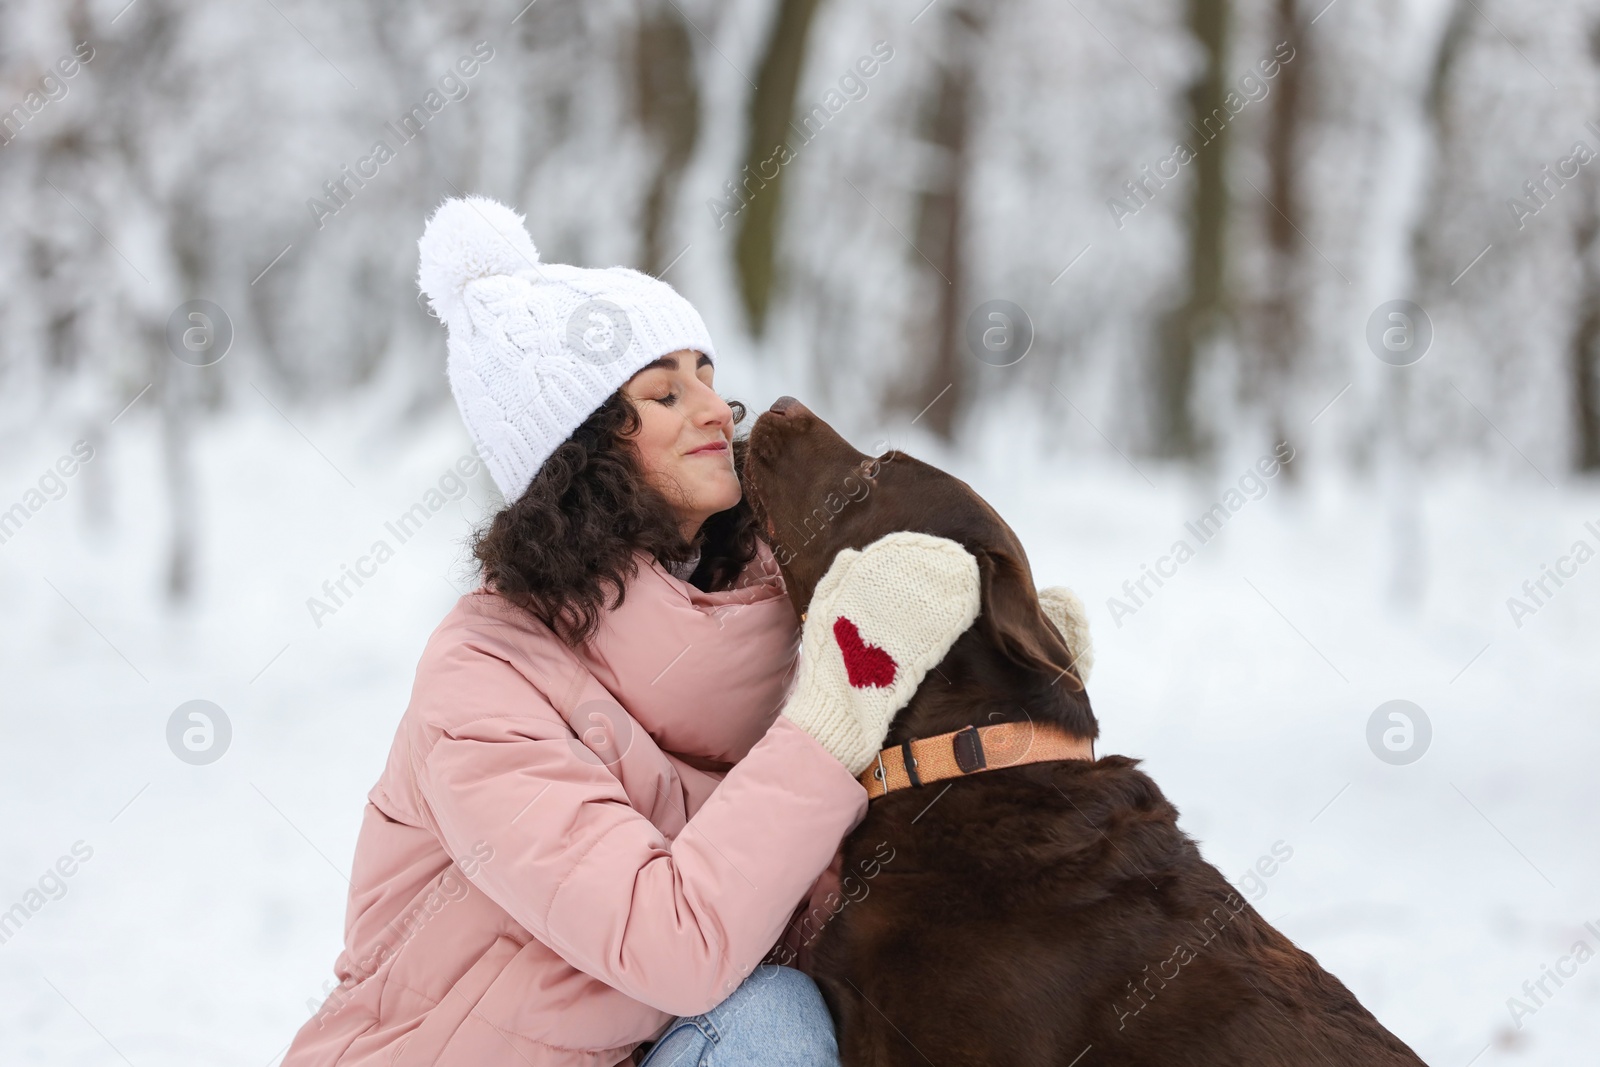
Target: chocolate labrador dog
{"x": 1048, "y": 913}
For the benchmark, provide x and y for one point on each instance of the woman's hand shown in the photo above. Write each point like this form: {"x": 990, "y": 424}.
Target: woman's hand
{"x": 880, "y": 619}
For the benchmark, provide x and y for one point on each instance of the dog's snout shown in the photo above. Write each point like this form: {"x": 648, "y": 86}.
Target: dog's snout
{"x": 787, "y": 406}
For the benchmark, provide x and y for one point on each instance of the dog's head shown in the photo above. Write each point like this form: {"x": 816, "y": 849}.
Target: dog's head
{"x": 814, "y": 494}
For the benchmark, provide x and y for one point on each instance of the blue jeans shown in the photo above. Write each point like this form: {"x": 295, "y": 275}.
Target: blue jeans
{"x": 776, "y": 1018}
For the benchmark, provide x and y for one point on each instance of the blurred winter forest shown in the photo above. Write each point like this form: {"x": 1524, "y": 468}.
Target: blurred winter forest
{"x": 842, "y": 225}
{"x": 1096, "y": 257}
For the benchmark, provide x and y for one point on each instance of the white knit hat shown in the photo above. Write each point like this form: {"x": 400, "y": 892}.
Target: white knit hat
{"x": 535, "y": 348}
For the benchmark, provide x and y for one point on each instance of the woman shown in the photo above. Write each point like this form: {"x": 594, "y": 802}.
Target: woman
{"x": 614, "y": 782}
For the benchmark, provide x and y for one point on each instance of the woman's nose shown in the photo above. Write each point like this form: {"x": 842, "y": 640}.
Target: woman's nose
{"x": 711, "y": 412}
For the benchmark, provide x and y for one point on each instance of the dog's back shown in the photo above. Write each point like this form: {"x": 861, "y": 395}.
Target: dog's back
{"x": 1055, "y": 914}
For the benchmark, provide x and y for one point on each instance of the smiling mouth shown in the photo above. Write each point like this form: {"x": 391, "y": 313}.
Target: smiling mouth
{"x": 718, "y": 448}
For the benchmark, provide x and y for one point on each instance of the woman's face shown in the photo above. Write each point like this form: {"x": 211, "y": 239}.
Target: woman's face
{"x": 685, "y": 437}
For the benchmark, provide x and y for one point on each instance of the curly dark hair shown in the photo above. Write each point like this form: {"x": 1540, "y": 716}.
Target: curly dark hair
{"x": 575, "y": 528}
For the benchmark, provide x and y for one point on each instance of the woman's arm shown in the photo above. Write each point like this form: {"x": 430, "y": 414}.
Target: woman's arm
{"x": 676, "y": 925}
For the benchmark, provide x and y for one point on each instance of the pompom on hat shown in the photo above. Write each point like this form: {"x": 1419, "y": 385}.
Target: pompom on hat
{"x": 535, "y": 348}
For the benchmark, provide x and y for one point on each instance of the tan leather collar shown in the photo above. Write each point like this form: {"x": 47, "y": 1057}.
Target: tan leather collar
{"x": 967, "y": 751}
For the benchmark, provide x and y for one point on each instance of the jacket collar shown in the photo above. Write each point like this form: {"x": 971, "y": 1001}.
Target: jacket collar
{"x": 704, "y": 673}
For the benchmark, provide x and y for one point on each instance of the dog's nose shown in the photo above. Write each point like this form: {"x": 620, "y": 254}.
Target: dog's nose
{"x": 787, "y": 405}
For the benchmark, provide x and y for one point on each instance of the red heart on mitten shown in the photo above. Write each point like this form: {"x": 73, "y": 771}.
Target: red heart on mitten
{"x": 865, "y": 664}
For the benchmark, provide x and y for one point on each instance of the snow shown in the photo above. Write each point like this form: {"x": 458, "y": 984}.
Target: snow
{"x": 181, "y": 912}
{"x": 206, "y": 919}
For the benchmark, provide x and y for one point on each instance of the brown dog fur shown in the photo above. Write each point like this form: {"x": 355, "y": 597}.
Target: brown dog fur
{"x": 1050, "y": 914}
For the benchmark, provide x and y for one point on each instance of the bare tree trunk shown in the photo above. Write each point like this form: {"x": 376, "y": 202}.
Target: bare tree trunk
{"x": 1429, "y": 262}
{"x": 1407, "y": 565}
{"x": 1585, "y": 350}
{"x": 667, "y": 102}
{"x": 940, "y": 236}
{"x": 96, "y": 478}
{"x": 771, "y": 110}
{"x": 176, "y": 394}
{"x": 1186, "y": 328}
{"x": 1283, "y": 328}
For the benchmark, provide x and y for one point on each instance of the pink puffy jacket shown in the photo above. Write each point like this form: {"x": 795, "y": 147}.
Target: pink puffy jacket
{"x": 556, "y": 860}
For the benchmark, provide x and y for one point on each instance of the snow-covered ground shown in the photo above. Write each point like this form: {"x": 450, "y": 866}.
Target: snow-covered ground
{"x": 205, "y": 903}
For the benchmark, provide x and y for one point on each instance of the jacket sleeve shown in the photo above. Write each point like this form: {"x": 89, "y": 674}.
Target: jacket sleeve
{"x": 673, "y": 924}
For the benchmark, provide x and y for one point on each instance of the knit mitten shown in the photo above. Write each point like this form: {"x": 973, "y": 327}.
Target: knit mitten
{"x": 880, "y": 619}
{"x": 1063, "y": 608}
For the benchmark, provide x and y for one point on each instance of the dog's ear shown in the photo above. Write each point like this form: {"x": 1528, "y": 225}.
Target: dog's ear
{"x": 1014, "y": 623}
